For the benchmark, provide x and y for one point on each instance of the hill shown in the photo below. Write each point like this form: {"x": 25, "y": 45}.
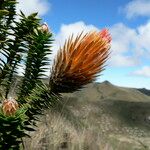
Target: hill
{"x": 107, "y": 91}
{"x": 105, "y": 116}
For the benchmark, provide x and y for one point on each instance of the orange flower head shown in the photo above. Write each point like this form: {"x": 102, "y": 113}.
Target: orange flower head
{"x": 79, "y": 61}
{"x": 9, "y": 106}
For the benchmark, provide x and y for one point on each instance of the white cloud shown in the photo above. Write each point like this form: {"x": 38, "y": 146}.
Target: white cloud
{"x": 137, "y": 8}
{"x": 144, "y": 37}
{"x": 123, "y": 61}
{"x": 31, "y": 6}
{"x": 129, "y": 46}
{"x": 76, "y": 28}
{"x": 123, "y": 46}
{"x": 144, "y": 71}
{"x": 67, "y": 30}
{"x": 122, "y": 37}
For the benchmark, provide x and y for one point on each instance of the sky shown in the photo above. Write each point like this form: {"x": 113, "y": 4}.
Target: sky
{"x": 128, "y": 22}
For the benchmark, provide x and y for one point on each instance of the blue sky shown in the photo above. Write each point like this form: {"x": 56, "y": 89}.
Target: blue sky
{"x": 99, "y": 13}
{"x": 127, "y": 20}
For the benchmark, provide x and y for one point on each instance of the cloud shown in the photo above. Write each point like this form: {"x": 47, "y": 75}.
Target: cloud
{"x": 76, "y": 28}
{"x": 144, "y": 71}
{"x": 31, "y": 6}
{"x": 122, "y": 61}
{"x": 67, "y": 30}
{"x": 144, "y": 37}
{"x": 129, "y": 45}
{"x": 137, "y": 8}
{"x": 124, "y": 48}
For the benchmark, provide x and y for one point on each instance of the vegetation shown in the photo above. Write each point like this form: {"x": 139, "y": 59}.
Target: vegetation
{"x": 117, "y": 121}
{"x": 28, "y": 42}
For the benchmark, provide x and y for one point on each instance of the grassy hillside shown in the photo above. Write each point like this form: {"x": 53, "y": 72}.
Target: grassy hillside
{"x": 106, "y": 117}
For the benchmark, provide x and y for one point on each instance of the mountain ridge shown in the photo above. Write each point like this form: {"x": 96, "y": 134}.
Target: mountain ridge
{"x": 106, "y": 90}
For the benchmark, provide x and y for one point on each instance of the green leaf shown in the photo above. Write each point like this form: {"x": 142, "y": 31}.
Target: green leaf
{"x": 4, "y": 12}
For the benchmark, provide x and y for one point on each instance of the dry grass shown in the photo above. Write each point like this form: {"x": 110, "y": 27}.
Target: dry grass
{"x": 57, "y": 134}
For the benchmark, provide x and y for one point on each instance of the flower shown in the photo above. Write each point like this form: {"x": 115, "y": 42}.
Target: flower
{"x": 79, "y": 61}
{"x": 44, "y": 28}
{"x": 9, "y": 106}
{"x": 105, "y": 35}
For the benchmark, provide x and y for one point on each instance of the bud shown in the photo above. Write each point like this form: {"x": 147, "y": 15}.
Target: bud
{"x": 9, "y": 106}
{"x": 44, "y": 27}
